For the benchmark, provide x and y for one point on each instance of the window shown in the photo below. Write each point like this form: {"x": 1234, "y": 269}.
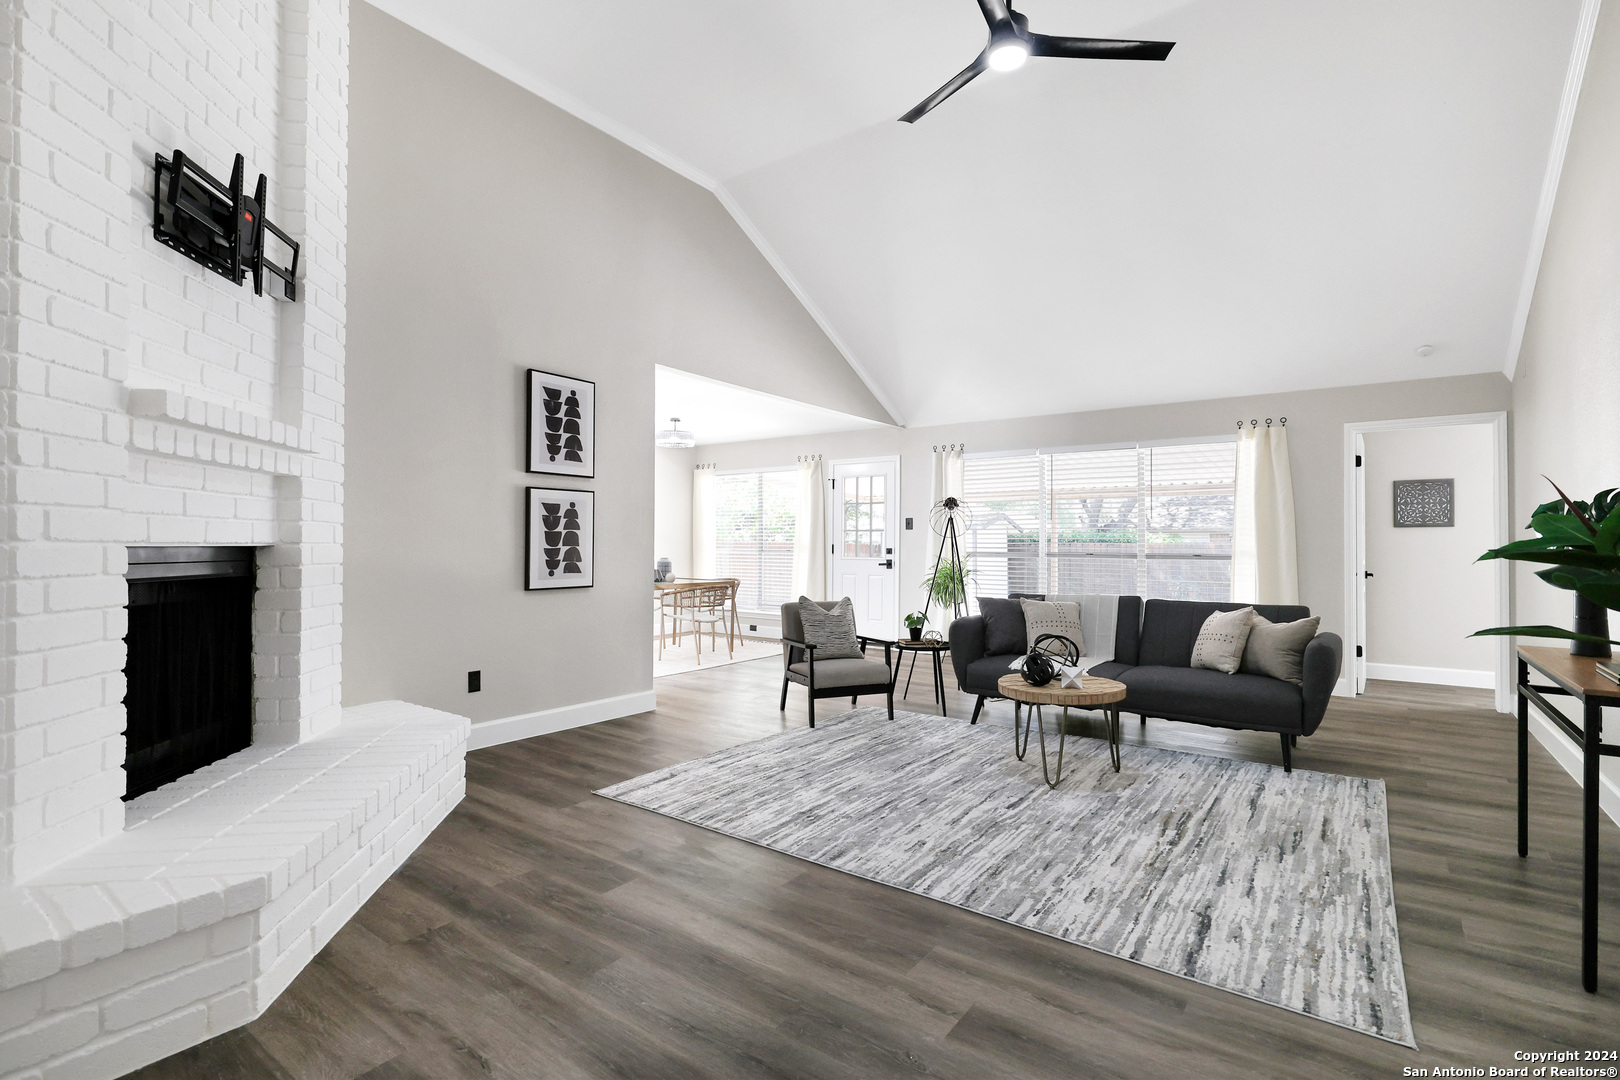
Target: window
{"x": 1154, "y": 521}
{"x": 753, "y": 542}
{"x": 863, "y": 517}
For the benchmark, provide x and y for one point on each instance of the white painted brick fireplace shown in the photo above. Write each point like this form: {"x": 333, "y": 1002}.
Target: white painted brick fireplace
{"x": 147, "y": 401}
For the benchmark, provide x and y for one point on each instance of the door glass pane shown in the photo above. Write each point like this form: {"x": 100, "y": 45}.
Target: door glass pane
{"x": 863, "y": 517}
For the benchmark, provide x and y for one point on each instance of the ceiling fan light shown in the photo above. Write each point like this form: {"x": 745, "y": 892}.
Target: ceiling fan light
{"x": 673, "y": 438}
{"x": 1009, "y": 54}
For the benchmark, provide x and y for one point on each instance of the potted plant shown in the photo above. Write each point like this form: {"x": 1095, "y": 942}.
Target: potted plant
{"x": 1580, "y": 544}
{"x": 915, "y": 623}
{"x": 947, "y": 586}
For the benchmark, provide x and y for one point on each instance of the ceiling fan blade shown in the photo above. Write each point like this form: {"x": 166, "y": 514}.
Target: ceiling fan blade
{"x": 995, "y": 11}
{"x": 1098, "y": 48}
{"x": 963, "y": 77}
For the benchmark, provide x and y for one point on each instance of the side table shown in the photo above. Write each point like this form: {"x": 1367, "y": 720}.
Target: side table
{"x": 938, "y": 649}
{"x": 1091, "y": 693}
{"x": 1576, "y": 677}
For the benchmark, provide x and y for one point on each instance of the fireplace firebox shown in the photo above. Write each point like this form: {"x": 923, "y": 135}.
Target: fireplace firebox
{"x": 189, "y": 672}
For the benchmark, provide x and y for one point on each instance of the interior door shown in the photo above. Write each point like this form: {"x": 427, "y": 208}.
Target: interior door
{"x": 864, "y": 500}
{"x": 1359, "y": 646}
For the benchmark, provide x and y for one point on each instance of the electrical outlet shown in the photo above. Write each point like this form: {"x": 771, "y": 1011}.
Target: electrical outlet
{"x": 475, "y": 681}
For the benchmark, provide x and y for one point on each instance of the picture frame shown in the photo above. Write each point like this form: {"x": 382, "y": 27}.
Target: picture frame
{"x": 559, "y": 541}
{"x": 1425, "y": 504}
{"x": 561, "y": 436}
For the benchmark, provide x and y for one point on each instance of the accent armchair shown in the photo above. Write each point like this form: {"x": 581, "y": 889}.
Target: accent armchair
{"x": 848, "y": 677}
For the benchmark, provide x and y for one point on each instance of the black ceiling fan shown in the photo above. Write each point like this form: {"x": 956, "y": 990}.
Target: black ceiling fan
{"x": 1011, "y": 44}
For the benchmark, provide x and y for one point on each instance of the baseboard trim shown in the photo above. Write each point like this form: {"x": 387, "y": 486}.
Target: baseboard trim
{"x": 528, "y": 725}
{"x": 1439, "y": 676}
{"x": 1569, "y": 756}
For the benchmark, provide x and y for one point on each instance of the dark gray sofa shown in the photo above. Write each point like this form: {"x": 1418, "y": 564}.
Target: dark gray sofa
{"x": 1153, "y": 658}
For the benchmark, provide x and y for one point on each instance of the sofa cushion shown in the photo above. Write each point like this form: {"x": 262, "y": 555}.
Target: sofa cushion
{"x": 1278, "y": 649}
{"x": 1003, "y": 626}
{"x": 1113, "y": 669}
{"x": 1247, "y": 701}
{"x": 1219, "y": 646}
{"x": 985, "y": 672}
{"x": 844, "y": 672}
{"x": 1052, "y": 617}
{"x": 1169, "y": 627}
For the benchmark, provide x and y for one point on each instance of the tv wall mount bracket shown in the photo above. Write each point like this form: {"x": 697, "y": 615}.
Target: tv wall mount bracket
{"x": 219, "y": 225}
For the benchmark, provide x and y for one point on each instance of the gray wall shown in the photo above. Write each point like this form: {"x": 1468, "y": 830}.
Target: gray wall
{"x": 1566, "y": 392}
{"x": 490, "y": 232}
{"x": 1316, "y": 420}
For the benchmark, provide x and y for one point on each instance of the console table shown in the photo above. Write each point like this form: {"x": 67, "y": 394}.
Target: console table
{"x": 1577, "y": 677}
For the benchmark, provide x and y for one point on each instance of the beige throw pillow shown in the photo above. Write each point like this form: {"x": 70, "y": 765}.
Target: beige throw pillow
{"x": 1221, "y": 639}
{"x": 831, "y": 632}
{"x": 1278, "y": 649}
{"x": 1052, "y": 617}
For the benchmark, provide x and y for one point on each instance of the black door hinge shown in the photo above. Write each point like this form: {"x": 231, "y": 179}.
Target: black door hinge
{"x": 1358, "y": 461}
{"x": 1358, "y": 650}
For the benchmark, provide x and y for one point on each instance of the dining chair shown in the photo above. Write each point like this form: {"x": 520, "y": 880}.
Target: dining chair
{"x": 706, "y": 605}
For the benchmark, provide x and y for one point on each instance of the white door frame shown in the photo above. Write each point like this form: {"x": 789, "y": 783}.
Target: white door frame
{"x": 835, "y": 527}
{"x": 1355, "y": 537}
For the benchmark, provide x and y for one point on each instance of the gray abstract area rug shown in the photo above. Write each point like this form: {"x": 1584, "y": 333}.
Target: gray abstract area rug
{"x": 1233, "y": 874}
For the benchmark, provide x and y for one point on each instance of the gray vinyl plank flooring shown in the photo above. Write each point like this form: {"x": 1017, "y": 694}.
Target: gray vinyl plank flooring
{"x": 543, "y": 931}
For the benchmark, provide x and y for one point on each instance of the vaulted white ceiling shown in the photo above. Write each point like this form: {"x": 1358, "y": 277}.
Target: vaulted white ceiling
{"x": 1301, "y": 196}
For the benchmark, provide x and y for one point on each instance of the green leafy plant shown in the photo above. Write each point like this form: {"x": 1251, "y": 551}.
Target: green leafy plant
{"x": 1579, "y": 542}
{"x": 947, "y": 584}
{"x": 915, "y": 620}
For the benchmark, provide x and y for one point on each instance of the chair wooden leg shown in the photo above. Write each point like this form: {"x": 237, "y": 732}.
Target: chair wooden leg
{"x": 783, "y": 707}
{"x": 977, "y": 706}
{"x": 812, "y": 710}
{"x": 891, "y": 700}
{"x": 1288, "y": 758}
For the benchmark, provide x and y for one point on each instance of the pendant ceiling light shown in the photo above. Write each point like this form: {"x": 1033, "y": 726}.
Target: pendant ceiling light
{"x": 674, "y": 438}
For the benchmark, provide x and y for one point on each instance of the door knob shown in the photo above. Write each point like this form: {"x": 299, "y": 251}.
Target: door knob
{"x": 887, "y": 564}
{"x": 1367, "y": 573}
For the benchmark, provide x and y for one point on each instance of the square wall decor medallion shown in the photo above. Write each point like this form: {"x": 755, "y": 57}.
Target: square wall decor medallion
{"x": 1424, "y": 504}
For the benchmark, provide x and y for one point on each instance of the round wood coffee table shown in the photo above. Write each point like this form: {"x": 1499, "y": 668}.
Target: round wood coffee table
{"x": 1092, "y": 693}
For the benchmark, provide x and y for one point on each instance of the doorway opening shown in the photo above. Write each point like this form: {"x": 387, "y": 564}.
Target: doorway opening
{"x": 1424, "y": 497}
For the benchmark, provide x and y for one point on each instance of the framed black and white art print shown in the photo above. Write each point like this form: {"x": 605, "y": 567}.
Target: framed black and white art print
{"x": 562, "y": 425}
{"x": 560, "y": 542}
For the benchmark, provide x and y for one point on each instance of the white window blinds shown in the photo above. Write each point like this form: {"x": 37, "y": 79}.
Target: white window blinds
{"x": 753, "y": 520}
{"x": 1150, "y": 521}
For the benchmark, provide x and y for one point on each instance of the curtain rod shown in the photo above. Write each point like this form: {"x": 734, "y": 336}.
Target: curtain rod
{"x": 950, "y": 446}
{"x": 809, "y": 457}
{"x": 711, "y": 465}
{"x": 1255, "y": 423}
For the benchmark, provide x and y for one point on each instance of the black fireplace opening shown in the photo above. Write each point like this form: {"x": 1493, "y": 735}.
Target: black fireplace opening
{"x": 189, "y": 672}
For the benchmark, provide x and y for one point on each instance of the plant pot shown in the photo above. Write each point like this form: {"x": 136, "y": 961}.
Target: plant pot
{"x": 916, "y": 634}
{"x": 1592, "y": 618}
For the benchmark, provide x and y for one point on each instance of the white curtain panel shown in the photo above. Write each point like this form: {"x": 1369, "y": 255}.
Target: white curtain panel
{"x": 810, "y": 532}
{"x": 947, "y": 474}
{"x": 703, "y": 524}
{"x": 1265, "y": 561}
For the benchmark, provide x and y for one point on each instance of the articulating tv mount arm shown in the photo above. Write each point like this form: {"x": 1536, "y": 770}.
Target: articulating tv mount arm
{"x": 217, "y": 224}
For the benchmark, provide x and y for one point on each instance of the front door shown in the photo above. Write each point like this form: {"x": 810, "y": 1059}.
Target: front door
{"x": 865, "y": 499}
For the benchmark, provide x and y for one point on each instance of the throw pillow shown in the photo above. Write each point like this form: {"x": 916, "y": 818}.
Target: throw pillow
{"x": 1221, "y": 639}
{"x": 1003, "y": 626}
{"x": 831, "y": 632}
{"x": 1278, "y": 649}
{"x": 1052, "y": 617}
